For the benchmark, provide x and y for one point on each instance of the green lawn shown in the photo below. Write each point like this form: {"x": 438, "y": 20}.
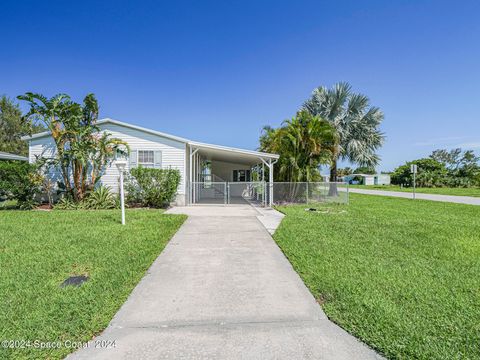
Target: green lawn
{"x": 402, "y": 276}
{"x": 38, "y": 250}
{"x": 474, "y": 191}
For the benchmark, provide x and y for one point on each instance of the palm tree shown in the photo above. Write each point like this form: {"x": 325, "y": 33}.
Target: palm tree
{"x": 303, "y": 143}
{"x": 82, "y": 151}
{"x": 354, "y": 120}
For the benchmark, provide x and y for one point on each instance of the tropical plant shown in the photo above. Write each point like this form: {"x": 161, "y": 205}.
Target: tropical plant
{"x": 354, "y": 120}
{"x": 101, "y": 198}
{"x": 12, "y": 128}
{"x": 152, "y": 187}
{"x": 303, "y": 143}
{"x": 67, "y": 203}
{"x": 82, "y": 151}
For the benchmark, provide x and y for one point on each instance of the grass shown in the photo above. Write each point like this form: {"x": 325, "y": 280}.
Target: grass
{"x": 472, "y": 191}
{"x": 402, "y": 276}
{"x": 38, "y": 250}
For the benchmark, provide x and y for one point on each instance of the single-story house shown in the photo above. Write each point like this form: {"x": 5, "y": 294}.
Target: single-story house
{"x": 207, "y": 171}
{"x": 367, "y": 179}
{"x": 8, "y": 156}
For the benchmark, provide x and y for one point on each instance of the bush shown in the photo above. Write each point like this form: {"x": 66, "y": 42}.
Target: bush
{"x": 152, "y": 187}
{"x": 99, "y": 199}
{"x": 20, "y": 181}
{"x": 431, "y": 173}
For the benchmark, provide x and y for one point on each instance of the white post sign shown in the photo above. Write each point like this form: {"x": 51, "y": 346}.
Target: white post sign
{"x": 413, "y": 170}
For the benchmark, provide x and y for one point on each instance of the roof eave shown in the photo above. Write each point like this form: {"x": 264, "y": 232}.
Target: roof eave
{"x": 231, "y": 149}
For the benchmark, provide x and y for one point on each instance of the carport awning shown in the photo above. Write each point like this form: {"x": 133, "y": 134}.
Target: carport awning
{"x": 233, "y": 155}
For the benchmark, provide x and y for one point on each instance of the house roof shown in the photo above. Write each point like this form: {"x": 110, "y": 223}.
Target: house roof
{"x": 8, "y": 156}
{"x": 168, "y": 136}
{"x": 115, "y": 122}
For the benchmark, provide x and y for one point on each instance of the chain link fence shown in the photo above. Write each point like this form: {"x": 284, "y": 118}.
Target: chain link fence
{"x": 282, "y": 193}
{"x": 309, "y": 192}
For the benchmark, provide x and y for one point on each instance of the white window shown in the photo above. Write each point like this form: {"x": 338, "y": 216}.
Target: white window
{"x": 146, "y": 158}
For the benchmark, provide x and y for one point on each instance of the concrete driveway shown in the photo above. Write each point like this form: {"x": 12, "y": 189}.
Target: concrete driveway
{"x": 222, "y": 289}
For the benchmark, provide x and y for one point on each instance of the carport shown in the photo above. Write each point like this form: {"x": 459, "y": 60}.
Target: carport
{"x": 227, "y": 176}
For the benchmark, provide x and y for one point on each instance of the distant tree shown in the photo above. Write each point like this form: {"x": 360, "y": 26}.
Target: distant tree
{"x": 355, "y": 121}
{"x": 303, "y": 143}
{"x": 430, "y": 173}
{"x": 365, "y": 170}
{"x": 344, "y": 172}
{"x": 12, "y": 128}
{"x": 457, "y": 160}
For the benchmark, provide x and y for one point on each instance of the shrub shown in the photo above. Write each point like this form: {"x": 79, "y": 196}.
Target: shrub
{"x": 152, "y": 187}
{"x": 99, "y": 199}
{"x": 431, "y": 173}
{"x": 20, "y": 181}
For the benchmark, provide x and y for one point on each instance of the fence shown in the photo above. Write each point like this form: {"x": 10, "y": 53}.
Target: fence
{"x": 260, "y": 192}
{"x": 309, "y": 192}
{"x": 229, "y": 193}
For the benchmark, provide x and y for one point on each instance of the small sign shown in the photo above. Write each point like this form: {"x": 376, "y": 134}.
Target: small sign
{"x": 413, "y": 168}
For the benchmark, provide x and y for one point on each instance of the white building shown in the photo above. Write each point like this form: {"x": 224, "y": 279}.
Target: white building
{"x": 207, "y": 171}
{"x": 367, "y": 179}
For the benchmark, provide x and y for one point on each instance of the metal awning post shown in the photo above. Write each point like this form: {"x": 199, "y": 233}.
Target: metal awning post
{"x": 270, "y": 164}
{"x": 190, "y": 176}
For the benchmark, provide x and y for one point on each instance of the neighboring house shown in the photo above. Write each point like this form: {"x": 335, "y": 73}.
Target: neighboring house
{"x": 197, "y": 162}
{"x": 8, "y": 156}
{"x": 367, "y": 179}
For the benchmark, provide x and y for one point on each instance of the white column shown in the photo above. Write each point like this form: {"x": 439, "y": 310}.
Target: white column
{"x": 195, "y": 177}
{"x": 270, "y": 180}
{"x": 190, "y": 176}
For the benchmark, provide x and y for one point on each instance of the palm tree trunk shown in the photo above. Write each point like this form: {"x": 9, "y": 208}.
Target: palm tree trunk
{"x": 333, "y": 191}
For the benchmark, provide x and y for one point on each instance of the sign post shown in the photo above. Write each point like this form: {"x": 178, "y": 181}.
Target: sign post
{"x": 413, "y": 170}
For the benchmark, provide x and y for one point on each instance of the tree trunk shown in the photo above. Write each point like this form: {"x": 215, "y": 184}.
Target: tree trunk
{"x": 333, "y": 191}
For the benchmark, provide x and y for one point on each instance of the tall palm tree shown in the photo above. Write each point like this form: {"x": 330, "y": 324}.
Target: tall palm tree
{"x": 355, "y": 121}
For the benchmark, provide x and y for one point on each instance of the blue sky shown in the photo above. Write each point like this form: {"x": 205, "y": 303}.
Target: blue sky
{"x": 217, "y": 71}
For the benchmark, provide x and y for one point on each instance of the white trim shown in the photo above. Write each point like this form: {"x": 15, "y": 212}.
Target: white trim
{"x": 180, "y": 139}
{"x": 115, "y": 122}
{"x": 235, "y": 150}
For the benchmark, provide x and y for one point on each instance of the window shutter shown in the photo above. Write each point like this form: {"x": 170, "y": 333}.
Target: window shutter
{"x": 158, "y": 159}
{"x": 247, "y": 178}
{"x": 235, "y": 175}
{"x": 133, "y": 159}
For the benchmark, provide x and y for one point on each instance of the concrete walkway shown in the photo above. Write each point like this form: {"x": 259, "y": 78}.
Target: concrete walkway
{"x": 222, "y": 289}
{"x": 434, "y": 197}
